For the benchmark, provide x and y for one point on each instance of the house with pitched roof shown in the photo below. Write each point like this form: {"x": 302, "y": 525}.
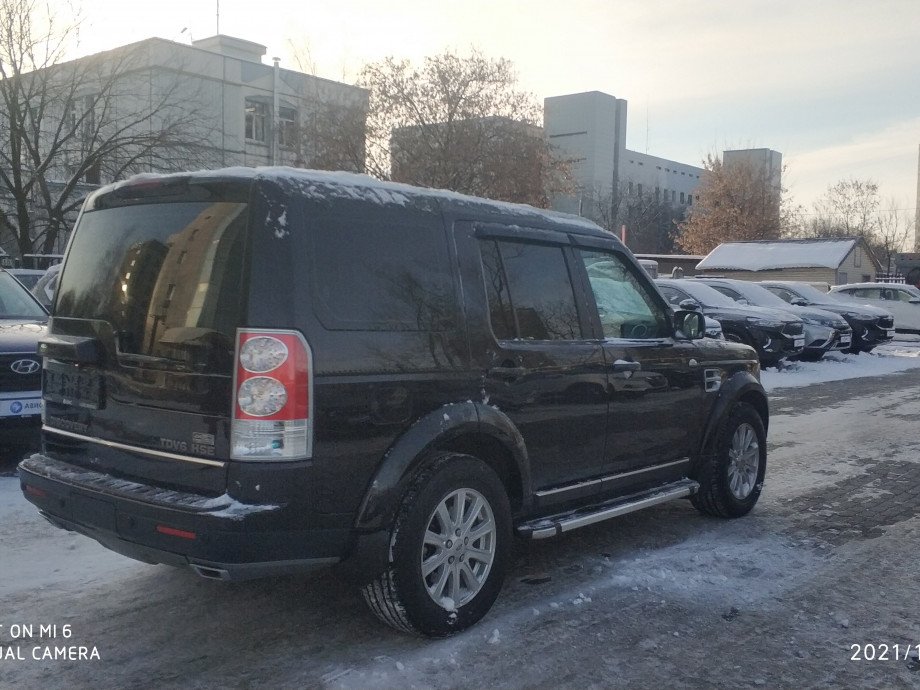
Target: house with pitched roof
{"x": 835, "y": 261}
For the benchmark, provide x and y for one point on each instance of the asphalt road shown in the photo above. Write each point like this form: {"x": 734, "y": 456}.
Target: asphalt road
{"x": 786, "y": 597}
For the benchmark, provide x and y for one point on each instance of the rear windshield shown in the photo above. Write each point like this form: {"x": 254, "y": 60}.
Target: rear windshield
{"x": 15, "y": 300}
{"x": 165, "y": 276}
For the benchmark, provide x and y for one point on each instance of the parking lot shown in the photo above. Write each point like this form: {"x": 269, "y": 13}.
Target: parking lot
{"x": 823, "y": 567}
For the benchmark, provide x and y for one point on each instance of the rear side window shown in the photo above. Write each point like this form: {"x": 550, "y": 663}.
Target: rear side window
{"x": 529, "y": 291}
{"x": 381, "y": 275}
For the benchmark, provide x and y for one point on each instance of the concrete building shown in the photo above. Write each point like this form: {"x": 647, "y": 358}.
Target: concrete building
{"x": 589, "y": 129}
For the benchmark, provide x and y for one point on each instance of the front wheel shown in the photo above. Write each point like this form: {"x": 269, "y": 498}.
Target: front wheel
{"x": 448, "y": 549}
{"x": 731, "y": 477}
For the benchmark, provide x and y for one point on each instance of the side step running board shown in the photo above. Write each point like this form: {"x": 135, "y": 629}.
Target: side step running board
{"x": 553, "y": 525}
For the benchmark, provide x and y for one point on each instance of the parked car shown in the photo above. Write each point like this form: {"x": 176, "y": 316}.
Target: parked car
{"x": 43, "y": 290}
{"x": 774, "y": 335}
{"x": 22, "y": 323}
{"x": 903, "y": 301}
{"x": 871, "y": 326}
{"x": 254, "y": 372}
{"x": 26, "y": 276}
{"x": 824, "y": 330}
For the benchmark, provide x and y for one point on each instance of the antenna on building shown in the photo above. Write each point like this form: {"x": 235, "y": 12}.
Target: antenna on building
{"x": 217, "y": 17}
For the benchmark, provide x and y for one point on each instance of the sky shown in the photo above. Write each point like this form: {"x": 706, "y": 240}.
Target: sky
{"x": 834, "y": 85}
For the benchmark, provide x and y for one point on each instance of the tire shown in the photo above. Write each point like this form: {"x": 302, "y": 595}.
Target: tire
{"x": 400, "y": 595}
{"x": 722, "y": 493}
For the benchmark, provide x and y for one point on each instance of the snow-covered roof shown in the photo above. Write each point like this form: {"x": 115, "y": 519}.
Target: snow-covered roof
{"x": 322, "y": 183}
{"x": 766, "y": 256}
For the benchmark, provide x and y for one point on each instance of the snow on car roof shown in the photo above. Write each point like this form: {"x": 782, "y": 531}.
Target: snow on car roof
{"x": 322, "y": 183}
{"x": 765, "y": 256}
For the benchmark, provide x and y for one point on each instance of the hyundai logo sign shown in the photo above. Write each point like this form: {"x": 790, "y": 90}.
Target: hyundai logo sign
{"x": 25, "y": 366}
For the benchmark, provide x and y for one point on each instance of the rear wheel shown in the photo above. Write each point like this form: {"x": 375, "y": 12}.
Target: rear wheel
{"x": 448, "y": 549}
{"x": 731, "y": 477}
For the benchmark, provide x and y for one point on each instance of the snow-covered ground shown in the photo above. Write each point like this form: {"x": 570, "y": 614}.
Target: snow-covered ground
{"x": 900, "y": 354}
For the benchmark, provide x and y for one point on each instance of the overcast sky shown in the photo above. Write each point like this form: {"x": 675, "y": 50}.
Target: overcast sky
{"x": 834, "y": 85}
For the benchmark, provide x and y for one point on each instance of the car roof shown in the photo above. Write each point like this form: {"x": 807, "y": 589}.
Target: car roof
{"x": 324, "y": 185}
{"x": 906, "y": 286}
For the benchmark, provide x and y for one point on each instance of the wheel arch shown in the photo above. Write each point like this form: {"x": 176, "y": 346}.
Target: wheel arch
{"x": 741, "y": 387}
{"x": 471, "y": 428}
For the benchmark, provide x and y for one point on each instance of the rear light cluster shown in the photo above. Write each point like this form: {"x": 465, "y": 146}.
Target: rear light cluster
{"x": 273, "y": 397}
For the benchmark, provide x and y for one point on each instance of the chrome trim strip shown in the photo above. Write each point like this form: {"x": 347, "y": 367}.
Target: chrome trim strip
{"x": 133, "y": 449}
{"x": 561, "y": 526}
{"x": 609, "y": 477}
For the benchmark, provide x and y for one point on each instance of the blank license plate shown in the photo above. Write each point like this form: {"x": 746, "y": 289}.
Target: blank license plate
{"x": 72, "y": 387}
{"x": 890, "y": 333}
{"x": 798, "y": 342}
{"x": 845, "y": 340}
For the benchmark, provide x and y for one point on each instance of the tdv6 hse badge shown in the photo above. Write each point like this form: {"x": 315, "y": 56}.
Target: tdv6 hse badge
{"x": 202, "y": 444}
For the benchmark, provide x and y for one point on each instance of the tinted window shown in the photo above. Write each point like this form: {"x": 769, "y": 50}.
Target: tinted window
{"x": 376, "y": 275}
{"x": 728, "y": 292}
{"x": 626, "y": 307}
{"x": 529, "y": 290}
{"x": 165, "y": 276}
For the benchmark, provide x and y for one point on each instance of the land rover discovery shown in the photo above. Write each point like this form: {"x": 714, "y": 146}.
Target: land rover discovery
{"x": 254, "y": 372}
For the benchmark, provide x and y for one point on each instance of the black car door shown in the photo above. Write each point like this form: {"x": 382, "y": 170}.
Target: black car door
{"x": 538, "y": 367}
{"x": 655, "y": 379}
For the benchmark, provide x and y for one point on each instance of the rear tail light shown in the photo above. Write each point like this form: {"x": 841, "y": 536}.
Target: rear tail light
{"x": 272, "y": 396}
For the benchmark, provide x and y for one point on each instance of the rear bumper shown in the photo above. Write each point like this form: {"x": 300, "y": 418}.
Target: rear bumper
{"x": 215, "y": 537}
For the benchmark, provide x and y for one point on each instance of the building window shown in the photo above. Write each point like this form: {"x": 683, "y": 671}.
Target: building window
{"x": 681, "y": 197}
{"x": 630, "y": 188}
{"x": 689, "y": 200}
{"x": 287, "y": 123}
{"x": 657, "y": 193}
{"x": 857, "y": 258}
{"x": 639, "y": 189}
{"x": 673, "y": 196}
{"x": 256, "y": 120}
{"x": 842, "y": 278}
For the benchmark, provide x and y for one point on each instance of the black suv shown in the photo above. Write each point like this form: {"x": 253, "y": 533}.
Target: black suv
{"x": 261, "y": 372}
{"x": 774, "y": 334}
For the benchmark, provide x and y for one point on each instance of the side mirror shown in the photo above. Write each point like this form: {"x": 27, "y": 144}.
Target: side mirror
{"x": 799, "y": 302}
{"x": 742, "y": 300}
{"x": 689, "y": 305}
{"x": 690, "y": 324}
{"x": 914, "y": 300}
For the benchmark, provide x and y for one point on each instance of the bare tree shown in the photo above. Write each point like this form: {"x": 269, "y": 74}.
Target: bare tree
{"x": 893, "y": 230}
{"x": 65, "y": 125}
{"x": 651, "y": 223}
{"x": 732, "y": 203}
{"x": 849, "y": 208}
{"x": 458, "y": 123}
{"x": 853, "y": 208}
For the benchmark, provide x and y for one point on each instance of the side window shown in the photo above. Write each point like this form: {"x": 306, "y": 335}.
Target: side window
{"x": 626, "y": 307}
{"x": 673, "y": 295}
{"x": 529, "y": 291}
{"x": 728, "y": 292}
{"x": 381, "y": 275}
{"x": 904, "y": 296}
{"x": 782, "y": 293}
